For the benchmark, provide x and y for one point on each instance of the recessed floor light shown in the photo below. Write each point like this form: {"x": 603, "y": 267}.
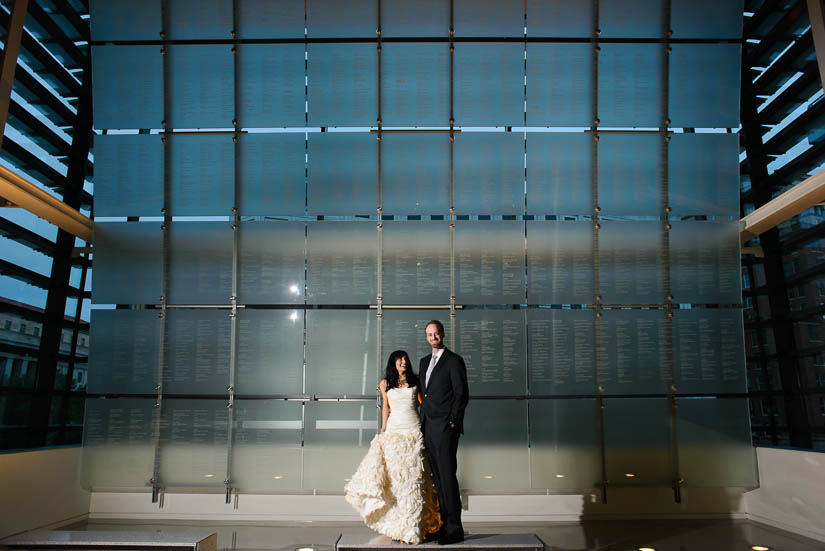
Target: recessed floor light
{"x": 277, "y": 477}
{"x": 488, "y": 477}
{"x": 559, "y": 476}
{"x": 760, "y": 548}
{"x": 208, "y": 475}
{"x": 629, "y": 475}
{"x": 647, "y": 549}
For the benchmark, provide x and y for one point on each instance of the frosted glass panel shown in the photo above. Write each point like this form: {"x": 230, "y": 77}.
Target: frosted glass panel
{"x": 704, "y": 85}
{"x": 199, "y": 19}
{"x": 337, "y": 436}
{"x": 415, "y": 173}
{"x": 123, "y": 352}
{"x": 629, "y": 84}
{"x": 331, "y": 18}
{"x": 266, "y": 448}
{"x": 267, "y": 19}
{"x": 404, "y": 330}
{"x": 272, "y": 171}
{"x": 705, "y": 263}
{"x": 416, "y": 263}
{"x": 415, "y": 84}
{"x": 629, "y": 174}
{"x": 703, "y": 174}
{"x": 706, "y": 18}
{"x": 198, "y": 351}
{"x": 638, "y": 19}
{"x": 118, "y": 446}
{"x": 200, "y": 263}
{"x": 631, "y": 269}
{"x": 270, "y": 352}
{"x": 343, "y": 178}
{"x": 420, "y": 18}
{"x": 271, "y": 263}
{"x": 488, "y": 18}
{"x": 715, "y": 447}
{"x": 708, "y": 350}
{"x": 559, "y": 173}
{"x": 559, "y": 18}
{"x": 564, "y": 454}
{"x": 562, "y": 358}
{"x": 489, "y": 173}
{"x": 560, "y": 262}
{"x": 201, "y": 85}
{"x": 489, "y": 84}
{"x": 271, "y": 86}
{"x": 489, "y": 262}
{"x": 492, "y": 343}
{"x": 343, "y": 82}
{"x": 637, "y": 440}
{"x": 340, "y": 352}
{"x": 127, "y": 262}
{"x": 128, "y": 86}
{"x": 559, "y": 85}
{"x": 128, "y": 175}
{"x": 202, "y": 170}
{"x": 125, "y": 20}
{"x": 634, "y": 352}
{"x": 492, "y": 454}
{"x": 342, "y": 263}
{"x": 193, "y": 443}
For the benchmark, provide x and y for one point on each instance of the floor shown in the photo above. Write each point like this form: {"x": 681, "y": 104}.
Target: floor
{"x": 693, "y": 535}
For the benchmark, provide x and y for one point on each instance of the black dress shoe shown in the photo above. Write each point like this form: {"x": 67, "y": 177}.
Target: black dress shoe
{"x": 450, "y": 539}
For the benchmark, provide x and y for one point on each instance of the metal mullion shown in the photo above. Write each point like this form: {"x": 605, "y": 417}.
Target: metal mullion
{"x": 11, "y": 49}
{"x": 763, "y": 364}
{"x": 73, "y": 349}
{"x": 452, "y": 173}
{"x": 379, "y": 314}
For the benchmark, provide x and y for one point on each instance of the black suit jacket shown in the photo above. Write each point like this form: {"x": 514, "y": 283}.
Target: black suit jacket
{"x": 445, "y": 397}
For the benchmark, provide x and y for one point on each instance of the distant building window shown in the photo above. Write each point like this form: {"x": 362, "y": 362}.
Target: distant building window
{"x": 820, "y": 379}
{"x": 813, "y": 333}
{"x": 36, "y": 331}
{"x": 747, "y": 303}
{"x": 822, "y": 406}
{"x": 746, "y": 281}
{"x": 22, "y": 328}
{"x": 820, "y": 288}
{"x": 819, "y": 359}
{"x": 7, "y": 324}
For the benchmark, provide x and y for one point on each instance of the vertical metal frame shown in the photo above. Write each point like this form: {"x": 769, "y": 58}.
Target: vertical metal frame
{"x": 379, "y": 299}
{"x": 452, "y": 174}
{"x": 11, "y": 49}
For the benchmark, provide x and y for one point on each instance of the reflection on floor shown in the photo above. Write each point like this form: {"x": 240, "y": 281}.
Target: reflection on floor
{"x": 693, "y": 535}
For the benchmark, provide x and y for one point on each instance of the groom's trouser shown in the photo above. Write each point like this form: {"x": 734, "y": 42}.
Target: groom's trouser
{"x": 442, "y": 447}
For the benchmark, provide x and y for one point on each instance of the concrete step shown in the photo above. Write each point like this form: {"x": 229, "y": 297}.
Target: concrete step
{"x": 159, "y": 540}
{"x": 510, "y": 542}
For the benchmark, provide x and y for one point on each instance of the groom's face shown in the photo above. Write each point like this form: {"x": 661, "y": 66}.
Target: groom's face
{"x": 435, "y": 338}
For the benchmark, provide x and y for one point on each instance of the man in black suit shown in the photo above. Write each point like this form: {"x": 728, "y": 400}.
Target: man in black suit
{"x": 443, "y": 377}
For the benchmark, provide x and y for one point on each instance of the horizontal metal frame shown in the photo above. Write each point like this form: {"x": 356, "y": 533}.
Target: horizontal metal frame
{"x": 35, "y": 279}
{"x": 792, "y": 97}
{"x": 789, "y": 62}
{"x": 65, "y": 46}
{"x": 33, "y": 352}
{"x": 812, "y": 120}
{"x": 35, "y": 315}
{"x": 34, "y": 241}
{"x": 43, "y": 98}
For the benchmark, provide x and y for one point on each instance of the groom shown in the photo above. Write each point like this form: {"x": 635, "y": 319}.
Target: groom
{"x": 443, "y": 376}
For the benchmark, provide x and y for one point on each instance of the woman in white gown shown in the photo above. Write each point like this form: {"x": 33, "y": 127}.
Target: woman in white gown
{"x": 393, "y": 488}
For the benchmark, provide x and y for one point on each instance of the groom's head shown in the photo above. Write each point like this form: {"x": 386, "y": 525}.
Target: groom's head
{"x": 434, "y": 331}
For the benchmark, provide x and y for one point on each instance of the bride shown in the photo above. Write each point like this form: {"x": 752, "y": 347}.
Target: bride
{"x": 393, "y": 487}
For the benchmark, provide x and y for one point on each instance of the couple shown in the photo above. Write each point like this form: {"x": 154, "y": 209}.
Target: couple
{"x": 393, "y": 486}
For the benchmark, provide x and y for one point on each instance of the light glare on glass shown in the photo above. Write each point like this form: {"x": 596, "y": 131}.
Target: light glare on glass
{"x": 294, "y": 290}
{"x": 293, "y": 316}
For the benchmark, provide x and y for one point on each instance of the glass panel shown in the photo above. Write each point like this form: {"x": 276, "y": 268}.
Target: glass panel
{"x": 419, "y": 18}
{"x": 493, "y": 453}
{"x": 564, "y": 453}
{"x": 200, "y": 263}
{"x": 639, "y": 19}
{"x": 118, "y": 445}
{"x": 631, "y": 269}
{"x": 201, "y": 87}
{"x": 559, "y": 85}
{"x": 637, "y": 442}
{"x": 266, "y": 448}
{"x": 704, "y": 85}
{"x": 492, "y": 343}
{"x": 559, "y": 173}
{"x": 703, "y": 174}
{"x": 342, "y": 81}
{"x": 559, "y": 18}
{"x": 198, "y": 351}
{"x": 199, "y": 19}
{"x": 561, "y": 356}
{"x": 415, "y": 84}
{"x": 415, "y": 173}
{"x": 416, "y": 263}
{"x": 342, "y": 263}
{"x": 489, "y": 173}
{"x": 128, "y": 86}
{"x": 272, "y": 170}
{"x": 629, "y": 174}
{"x": 343, "y": 178}
{"x": 202, "y": 174}
{"x": 708, "y": 350}
{"x": 332, "y": 18}
{"x": 125, "y": 20}
{"x": 489, "y": 263}
{"x": 706, "y": 19}
{"x": 629, "y": 84}
{"x": 127, "y": 260}
{"x": 267, "y": 19}
{"x": 488, "y": 18}
{"x": 560, "y": 262}
{"x": 489, "y": 84}
{"x": 404, "y": 330}
{"x": 715, "y": 444}
{"x": 271, "y": 86}
{"x": 128, "y": 175}
{"x": 123, "y": 353}
{"x": 271, "y": 262}
{"x": 704, "y": 262}
{"x": 340, "y": 352}
{"x": 193, "y": 441}
{"x": 633, "y": 352}
{"x": 336, "y": 438}
{"x": 270, "y": 352}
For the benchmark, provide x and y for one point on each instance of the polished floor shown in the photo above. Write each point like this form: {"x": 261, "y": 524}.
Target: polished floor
{"x": 693, "y": 535}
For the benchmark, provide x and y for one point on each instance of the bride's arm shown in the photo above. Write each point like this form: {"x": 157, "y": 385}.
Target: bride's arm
{"x": 385, "y": 404}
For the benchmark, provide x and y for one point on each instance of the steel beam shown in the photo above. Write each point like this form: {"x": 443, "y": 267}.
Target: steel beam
{"x": 817, "y": 16}
{"x": 11, "y": 48}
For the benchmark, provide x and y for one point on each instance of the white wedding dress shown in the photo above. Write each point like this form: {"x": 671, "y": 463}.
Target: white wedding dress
{"x": 393, "y": 489}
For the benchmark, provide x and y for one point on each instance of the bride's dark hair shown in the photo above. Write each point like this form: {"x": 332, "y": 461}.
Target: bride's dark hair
{"x": 392, "y": 373}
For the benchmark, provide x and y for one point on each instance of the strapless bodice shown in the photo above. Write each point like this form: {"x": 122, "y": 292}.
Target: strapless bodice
{"x": 403, "y": 409}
